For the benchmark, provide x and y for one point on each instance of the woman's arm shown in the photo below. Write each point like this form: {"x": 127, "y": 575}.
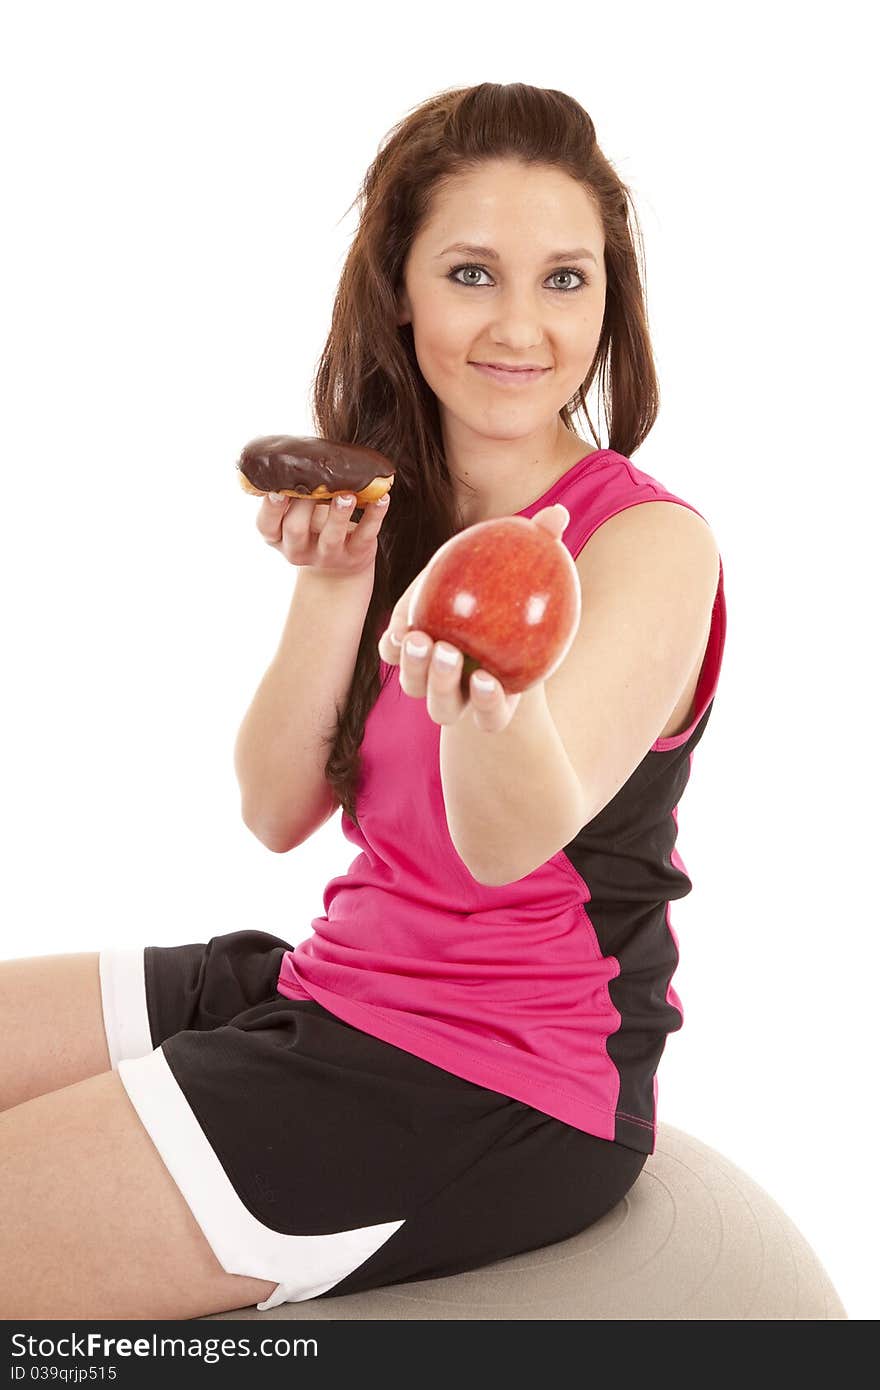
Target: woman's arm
{"x": 512, "y": 798}
{"x": 521, "y": 774}
{"x": 280, "y": 751}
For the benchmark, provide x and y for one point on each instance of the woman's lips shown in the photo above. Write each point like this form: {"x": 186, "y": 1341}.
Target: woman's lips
{"x": 509, "y": 378}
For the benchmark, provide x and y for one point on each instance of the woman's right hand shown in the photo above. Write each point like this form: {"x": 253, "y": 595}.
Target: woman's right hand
{"x": 321, "y": 534}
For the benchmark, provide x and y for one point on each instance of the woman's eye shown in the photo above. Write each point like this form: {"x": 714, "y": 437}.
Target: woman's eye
{"x": 481, "y": 270}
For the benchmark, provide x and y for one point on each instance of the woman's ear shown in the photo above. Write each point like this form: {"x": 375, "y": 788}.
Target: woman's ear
{"x": 404, "y": 314}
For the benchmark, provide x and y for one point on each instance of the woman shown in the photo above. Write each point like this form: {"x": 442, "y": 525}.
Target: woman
{"x": 460, "y": 1062}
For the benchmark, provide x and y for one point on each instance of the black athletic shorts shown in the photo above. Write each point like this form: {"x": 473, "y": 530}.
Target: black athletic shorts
{"x": 319, "y": 1157}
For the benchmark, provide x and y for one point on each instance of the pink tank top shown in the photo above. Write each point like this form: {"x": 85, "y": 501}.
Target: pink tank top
{"x": 557, "y": 989}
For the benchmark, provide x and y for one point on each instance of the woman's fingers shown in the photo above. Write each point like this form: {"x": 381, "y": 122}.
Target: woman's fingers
{"x": 436, "y": 677}
{"x": 397, "y": 623}
{"x": 367, "y": 527}
{"x": 322, "y": 534}
{"x": 432, "y": 671}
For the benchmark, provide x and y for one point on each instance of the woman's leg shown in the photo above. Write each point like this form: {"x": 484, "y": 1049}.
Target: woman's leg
{"x": 94, "y": 1224}
{"x": 52, "y": 1025}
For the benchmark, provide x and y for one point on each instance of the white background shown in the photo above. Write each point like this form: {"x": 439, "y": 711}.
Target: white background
{"x": 177, "y": 179}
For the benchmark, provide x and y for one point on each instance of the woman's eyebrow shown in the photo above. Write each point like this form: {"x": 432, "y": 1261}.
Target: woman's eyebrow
{"x": 581, "y": 253}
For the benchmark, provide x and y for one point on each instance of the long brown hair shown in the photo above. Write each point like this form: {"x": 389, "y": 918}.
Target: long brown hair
{"x": 368, "y": 388}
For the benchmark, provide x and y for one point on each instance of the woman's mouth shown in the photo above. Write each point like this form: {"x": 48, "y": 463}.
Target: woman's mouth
{"x": 507, "y": 377}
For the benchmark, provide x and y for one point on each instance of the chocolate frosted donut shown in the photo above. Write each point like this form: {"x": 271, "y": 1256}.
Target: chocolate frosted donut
{"x": 317, "y": 468}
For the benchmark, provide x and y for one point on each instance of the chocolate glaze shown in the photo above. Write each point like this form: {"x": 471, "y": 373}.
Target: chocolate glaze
{"x": 302, "y": 463}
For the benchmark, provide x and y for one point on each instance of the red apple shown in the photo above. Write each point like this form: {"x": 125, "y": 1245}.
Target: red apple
{"x": 507, "y": 594}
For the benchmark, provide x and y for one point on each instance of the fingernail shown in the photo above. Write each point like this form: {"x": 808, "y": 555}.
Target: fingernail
{"x": 394, "y": 639}
{"x": 417, "y": 649}
{"x": 484, "y": 683}
{"x": 276, "y": 497}
{"x": 445, "y": 656}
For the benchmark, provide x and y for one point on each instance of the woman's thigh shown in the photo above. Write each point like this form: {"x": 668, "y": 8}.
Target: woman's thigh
{"x": 94, "y": 1221}
{"x": 94, "y": 1224}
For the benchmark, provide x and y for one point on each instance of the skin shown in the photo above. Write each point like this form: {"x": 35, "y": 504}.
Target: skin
{"x": 504, "y": 447}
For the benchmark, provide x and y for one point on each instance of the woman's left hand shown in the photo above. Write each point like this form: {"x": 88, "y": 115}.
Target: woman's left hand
{"x": 428, "y": 677}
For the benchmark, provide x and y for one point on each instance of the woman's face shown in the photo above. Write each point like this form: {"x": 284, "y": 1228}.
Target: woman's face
{"x": 540, "y": 300}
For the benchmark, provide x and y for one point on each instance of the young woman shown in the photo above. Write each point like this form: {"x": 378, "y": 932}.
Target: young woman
{"x": 460, "y": 1062}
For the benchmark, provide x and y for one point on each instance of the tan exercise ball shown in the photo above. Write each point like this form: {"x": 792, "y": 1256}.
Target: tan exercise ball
{"x": 694, "y": 1237}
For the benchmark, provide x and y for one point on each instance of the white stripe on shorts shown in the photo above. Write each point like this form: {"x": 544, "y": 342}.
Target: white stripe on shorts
{"x": 124, "y": 1001}
{"x": 303, "y": 1266}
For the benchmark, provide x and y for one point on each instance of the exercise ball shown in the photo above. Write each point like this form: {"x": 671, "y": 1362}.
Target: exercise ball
{"x": 695, "y": 1237}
